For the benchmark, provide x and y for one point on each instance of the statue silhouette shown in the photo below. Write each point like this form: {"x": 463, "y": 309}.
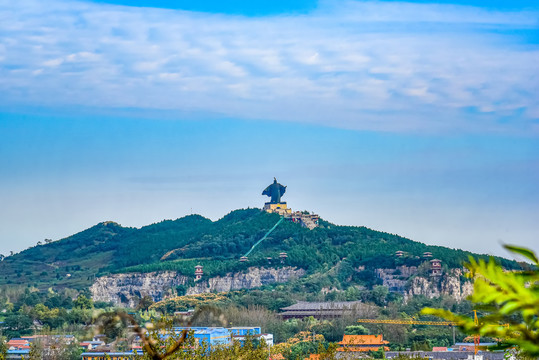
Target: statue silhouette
{"x": 275, "y": 191}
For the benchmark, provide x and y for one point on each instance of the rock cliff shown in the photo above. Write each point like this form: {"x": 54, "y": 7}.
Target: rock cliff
{"x": 255, "y": 277}
{"x": 448, "y": 284}
{"x": 126, "y": 289}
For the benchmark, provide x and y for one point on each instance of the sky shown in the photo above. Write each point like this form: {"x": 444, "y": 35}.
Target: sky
{"x": 415, "y": 118}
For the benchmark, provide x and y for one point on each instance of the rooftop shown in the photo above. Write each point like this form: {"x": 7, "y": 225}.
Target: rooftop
{"x": 336, "y": 305}
{"x": 363, "y": 340}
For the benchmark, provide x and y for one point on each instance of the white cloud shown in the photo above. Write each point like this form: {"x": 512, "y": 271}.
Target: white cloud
{"x": 53, "y": 62}
{"x": 361, "y": 65}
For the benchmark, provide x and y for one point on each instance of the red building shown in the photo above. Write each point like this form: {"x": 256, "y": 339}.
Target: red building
{"x": 198, "y": 272}
{"x": 362, "y": 343}
{"x": 435, "y": 267}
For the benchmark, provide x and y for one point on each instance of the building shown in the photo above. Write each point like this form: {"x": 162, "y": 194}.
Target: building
{"x": 439, "y": 348}
{"x": 208, "y": 336}
{"x": 99, "y": 337}
{"x": 198, "y": 272}
{"x": 18, "y": 344}
{"x": 245, "y": 330}
{"x": 447, "y": 355}
{"x": 219, "y": 336}
{"x": 90, "y": 345}
{"x": 435, "y": 267}
{"x": 17, "y": 354}
{"x": 20, "y": 347}
{"x": 309, "y": 221}
{"x": 279, "y": 208}
{"x": 362, "y": 343}
{"x": 399, "y": 253}
{"x": 240, "y": 334}
{"x": 471, "y": 346}
{"x": 320, "y": 310}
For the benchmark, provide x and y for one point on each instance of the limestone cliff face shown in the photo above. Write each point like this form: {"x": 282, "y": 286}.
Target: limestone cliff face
{"x": 126, "y": 289}
{"x": 449, "y": 285}
{"x": 255, "y": 277}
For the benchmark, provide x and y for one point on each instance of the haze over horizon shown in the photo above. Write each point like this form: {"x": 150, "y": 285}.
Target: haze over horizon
{"x": 415, "y": 118}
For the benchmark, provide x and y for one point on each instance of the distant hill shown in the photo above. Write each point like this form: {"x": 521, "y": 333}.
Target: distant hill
{"x": 179, "y": 244}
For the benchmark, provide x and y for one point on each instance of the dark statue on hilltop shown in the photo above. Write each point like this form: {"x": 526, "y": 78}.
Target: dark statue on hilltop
{"x": 275, "y": 191}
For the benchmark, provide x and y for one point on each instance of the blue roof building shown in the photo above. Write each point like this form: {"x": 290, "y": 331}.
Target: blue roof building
{"x": 17, "y": 354}
{"x": 208, "y": 336}
{"x": 245, "y": 330}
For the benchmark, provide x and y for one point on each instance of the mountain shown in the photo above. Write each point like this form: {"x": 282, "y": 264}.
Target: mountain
{"x": 178, "y": 245}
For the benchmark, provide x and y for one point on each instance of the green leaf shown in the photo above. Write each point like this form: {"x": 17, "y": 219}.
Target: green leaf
{"x": 524, "y": 252}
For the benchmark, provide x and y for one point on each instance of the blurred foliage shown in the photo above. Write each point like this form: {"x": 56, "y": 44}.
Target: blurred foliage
{"x": 503, "y": 297}
{"x": 3, "y": 348}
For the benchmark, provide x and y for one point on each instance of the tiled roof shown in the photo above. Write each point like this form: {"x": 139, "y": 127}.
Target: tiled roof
{"x": 316, "y": 312}
{"x": 337, "y": 305}
{"x": 17, "y": 342}
{"x": 363, "y": 340}
{"x": 368, "y": 348}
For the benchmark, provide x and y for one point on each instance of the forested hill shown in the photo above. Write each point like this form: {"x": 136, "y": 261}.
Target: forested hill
{"x": 179, "y": 244}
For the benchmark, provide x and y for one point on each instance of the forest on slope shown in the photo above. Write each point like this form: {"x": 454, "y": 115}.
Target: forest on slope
{"x": 177, "y": 245}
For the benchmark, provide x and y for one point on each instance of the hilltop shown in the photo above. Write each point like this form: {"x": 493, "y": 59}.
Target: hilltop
{"x": 178, "y": 245}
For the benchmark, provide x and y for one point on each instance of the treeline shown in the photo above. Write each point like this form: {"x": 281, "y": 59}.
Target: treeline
{"x": 169, "y": 245}
{"x": 27, "y": 310}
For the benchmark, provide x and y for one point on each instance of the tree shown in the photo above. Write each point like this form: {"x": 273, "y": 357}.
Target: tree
{"x": 82, "y": 302}
{"x": 356, "y": 330}
{"x": 3, "y": 348}
{"x": 145, "y": 303}
{"x": 17, "y": 324}
{"x": 379, "y": 294}
{"x": 506, "y": 297}
{"x": 36, "y": 351}
{"x": 378, "y": 354}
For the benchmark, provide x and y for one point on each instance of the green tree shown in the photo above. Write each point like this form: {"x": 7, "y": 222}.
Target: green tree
{"x": 379, "y": 294}
{"x": 378, "y": 354}
{"x": 82, "y": 302}
{"x": 17, "y": 324}
{"x": 505, "y": 297}
{"x": 3, "y": 348}
{"x": 356, "y": 330}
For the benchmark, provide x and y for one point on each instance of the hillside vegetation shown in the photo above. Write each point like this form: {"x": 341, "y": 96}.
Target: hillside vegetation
{"x": 180, "y": 244}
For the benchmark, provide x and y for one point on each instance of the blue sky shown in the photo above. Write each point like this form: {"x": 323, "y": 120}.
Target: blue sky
{"x": 415, "y": 118}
